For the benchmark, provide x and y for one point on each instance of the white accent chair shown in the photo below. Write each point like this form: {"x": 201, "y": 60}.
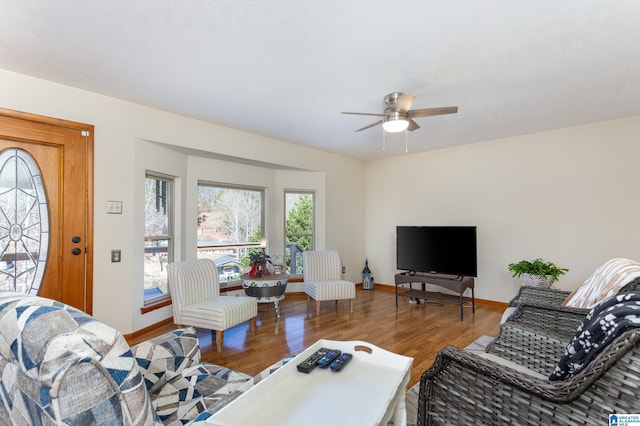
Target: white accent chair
{"x": 195, "y": 291}
{"x": 323, "y": 278}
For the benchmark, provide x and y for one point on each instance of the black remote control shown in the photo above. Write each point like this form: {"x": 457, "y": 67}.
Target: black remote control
{"x": 310, "y": 363}
{"x": 340, "y": 362}
{"x": 326, "y": 360}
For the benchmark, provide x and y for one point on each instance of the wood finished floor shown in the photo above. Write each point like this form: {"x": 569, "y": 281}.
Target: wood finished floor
{"x": 418, "y": 331}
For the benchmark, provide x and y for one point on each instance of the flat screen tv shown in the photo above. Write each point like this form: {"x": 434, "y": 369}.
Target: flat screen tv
{"x": 447, "y": 250}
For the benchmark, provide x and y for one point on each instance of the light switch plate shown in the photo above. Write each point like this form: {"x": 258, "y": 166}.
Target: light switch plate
{"x": 114, "y": 207}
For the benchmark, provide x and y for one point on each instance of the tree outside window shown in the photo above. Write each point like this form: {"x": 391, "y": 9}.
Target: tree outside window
{"x": 229, "y": 223}
{"x": 158, "y": 240}
{"x": 299, "y": 228}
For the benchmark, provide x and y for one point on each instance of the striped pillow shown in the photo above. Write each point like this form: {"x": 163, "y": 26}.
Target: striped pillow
{"x": 605, "y": 282}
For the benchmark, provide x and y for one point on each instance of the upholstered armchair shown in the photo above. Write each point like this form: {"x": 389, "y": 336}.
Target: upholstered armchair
{"x": 323, "y": 278}
{"x": 197, "y": 302}
{"x": 59, "y": 366}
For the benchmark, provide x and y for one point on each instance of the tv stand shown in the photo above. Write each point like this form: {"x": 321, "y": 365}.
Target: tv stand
{"x": 458, "y": 284}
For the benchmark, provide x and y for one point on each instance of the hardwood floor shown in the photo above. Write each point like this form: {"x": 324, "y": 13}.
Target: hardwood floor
{"x": 418, "y": 331}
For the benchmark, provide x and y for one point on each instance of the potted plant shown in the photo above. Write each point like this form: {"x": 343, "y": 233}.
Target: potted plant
{"x": 258, "y": 260}
{"x": 537, "y": 273}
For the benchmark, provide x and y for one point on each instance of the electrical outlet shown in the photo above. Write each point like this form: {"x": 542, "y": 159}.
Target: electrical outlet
{"x": 116, "y": 255}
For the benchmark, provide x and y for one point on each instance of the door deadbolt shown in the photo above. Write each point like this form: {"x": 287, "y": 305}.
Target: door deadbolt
{"x": 76, "y": 239}
{"x": 76, "y": 251}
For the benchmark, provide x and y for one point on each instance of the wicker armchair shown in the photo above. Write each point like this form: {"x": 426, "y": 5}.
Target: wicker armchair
{"x": 465, "y": 388}
{"x": 538, "y": 331}
{"x": 541, "y": 310}
{"x": 617, "y": 275}
{"x": 551, "y": 297}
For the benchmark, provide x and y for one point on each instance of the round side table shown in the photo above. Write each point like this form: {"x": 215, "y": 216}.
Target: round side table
{"x": 266, "y": 289}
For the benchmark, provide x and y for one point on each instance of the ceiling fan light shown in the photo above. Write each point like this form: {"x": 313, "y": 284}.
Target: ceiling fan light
{"x": 395, "y": 124}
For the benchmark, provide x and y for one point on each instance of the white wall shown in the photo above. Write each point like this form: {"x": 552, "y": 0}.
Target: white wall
{"x": 126, "y": 144}
{"x": 569, "y": 196}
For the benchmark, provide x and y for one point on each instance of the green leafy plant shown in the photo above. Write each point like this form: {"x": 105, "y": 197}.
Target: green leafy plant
{"x": 258, "y": 260}
{"x": 536, "y": 267}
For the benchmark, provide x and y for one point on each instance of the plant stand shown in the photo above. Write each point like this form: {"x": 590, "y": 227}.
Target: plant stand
{"x": 266, "y": 289}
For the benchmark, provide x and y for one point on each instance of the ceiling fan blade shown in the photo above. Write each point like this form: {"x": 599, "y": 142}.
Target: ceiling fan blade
{"x": 370, "y": 126}
{"x": 428, "y": 112}
{"x": 363, "y": 113}
{"x": 412, "y": 125}
{"x": 404, "y": 102}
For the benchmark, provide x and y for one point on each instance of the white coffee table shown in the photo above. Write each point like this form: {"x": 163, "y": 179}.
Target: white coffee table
{"x": 370, "y": 390}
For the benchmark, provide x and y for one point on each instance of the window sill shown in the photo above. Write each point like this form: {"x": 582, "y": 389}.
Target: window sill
{"x": 223, "y": 289}
{"x": 156, "y": 305}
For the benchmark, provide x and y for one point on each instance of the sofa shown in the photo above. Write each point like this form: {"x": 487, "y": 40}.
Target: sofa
{"x": 59, "y": 365}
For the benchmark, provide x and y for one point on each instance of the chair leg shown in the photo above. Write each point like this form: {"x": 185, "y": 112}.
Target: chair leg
{"x": 219, "y": 339}
{"x": 350, "y": 305}
{"x": 252, "y": 325}
{"x": 317, "y": 308}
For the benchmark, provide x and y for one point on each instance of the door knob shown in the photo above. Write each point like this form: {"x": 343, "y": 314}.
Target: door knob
{"x": 76, "y": 251}
{"x": 76, "y": 239}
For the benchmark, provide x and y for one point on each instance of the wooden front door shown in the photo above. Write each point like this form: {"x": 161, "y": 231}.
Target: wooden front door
{"x": 46, "y": 199}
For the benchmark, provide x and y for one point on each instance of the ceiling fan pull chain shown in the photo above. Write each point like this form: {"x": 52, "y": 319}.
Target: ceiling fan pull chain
{"x": 384, "y": 140}
{"x": 406, "y": 145}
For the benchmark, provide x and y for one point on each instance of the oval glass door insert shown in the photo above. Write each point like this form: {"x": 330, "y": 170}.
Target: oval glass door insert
{"x": 24, "y": 223}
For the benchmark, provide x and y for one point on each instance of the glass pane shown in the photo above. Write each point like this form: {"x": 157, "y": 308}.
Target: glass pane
{"x": 157, "y": 206}
{"x": 298, "y": 229}
{"x": 229, "y": 222}
{"x": 156, "y": 257}
{"x": 24, "y": 223}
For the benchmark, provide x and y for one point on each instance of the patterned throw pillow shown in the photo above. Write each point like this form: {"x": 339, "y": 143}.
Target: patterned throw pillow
{"x": 603, "y": 324}
{"x": 180, "y": 386}
{"x": 165, "y": 356}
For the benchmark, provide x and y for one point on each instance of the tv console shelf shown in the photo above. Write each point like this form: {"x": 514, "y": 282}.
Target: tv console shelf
{"x": 456, "y": 284}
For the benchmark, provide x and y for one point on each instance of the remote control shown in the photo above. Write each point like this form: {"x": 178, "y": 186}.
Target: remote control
{"x": 340, "y": 362}
{"x": 310, "y": 363}
{"x": 326, "y": 360}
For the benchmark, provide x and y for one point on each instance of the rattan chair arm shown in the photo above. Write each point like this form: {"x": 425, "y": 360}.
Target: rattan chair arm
{"x": 559, "y": 320}
{"x": 471, "y": 364}
{"x": 539, "y": 295}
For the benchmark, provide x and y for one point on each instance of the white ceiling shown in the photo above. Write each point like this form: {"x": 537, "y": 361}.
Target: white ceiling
{"x": 287, "y": 68}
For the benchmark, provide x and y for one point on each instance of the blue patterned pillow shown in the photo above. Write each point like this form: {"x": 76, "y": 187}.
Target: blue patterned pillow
{"x": 604, "y": 323}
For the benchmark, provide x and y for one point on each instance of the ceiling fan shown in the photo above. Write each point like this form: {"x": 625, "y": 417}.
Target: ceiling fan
{"x": 398, "y": 115}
